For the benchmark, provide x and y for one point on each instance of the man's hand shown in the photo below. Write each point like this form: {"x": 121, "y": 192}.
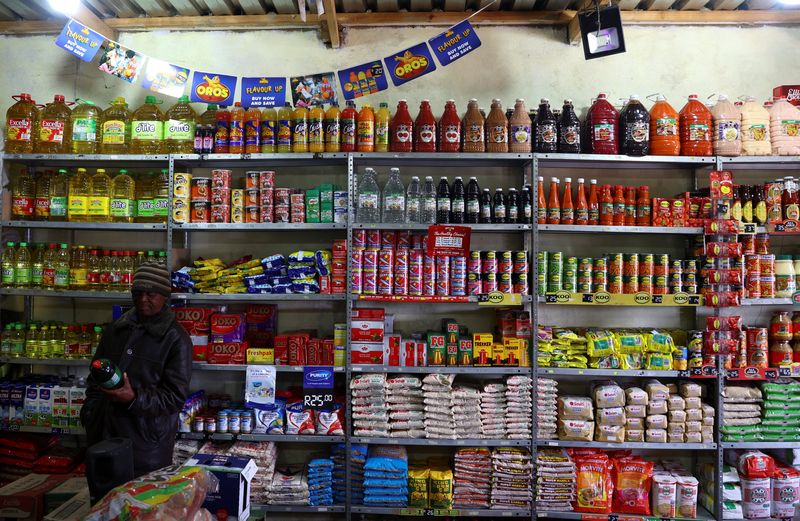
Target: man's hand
{"x": 124, "y": 394}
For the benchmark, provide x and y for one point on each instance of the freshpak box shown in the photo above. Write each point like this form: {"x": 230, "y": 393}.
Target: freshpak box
{"x": 367, "y": 353}
{"x": 74, "y": 509}
{"x": 234, "y": 475}
{"x": 367, "y": 325}
{"x": 23, "y": 500}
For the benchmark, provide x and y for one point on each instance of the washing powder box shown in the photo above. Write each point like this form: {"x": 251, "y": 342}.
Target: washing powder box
{"x": 234, "y": 475}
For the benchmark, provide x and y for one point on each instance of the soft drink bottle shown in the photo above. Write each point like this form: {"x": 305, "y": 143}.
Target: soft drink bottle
{"x": 23, "y": 196}
{"x": 369, "y": 196}
{"x": 569, "y": 129}
{"x": 382, "y": 119}
{"x": 269, "y": 130}
{"x": 425, "y": 129}
{"x": 21, "y": 119}
{"x": 427, "y": 213}
{"x": 222, "y": 131}
{"x": 22, "y": 266}
{"x": 179, "y": 128}
{"x": 49, "y": 267}
{"x": 365, "y": 129}
{"x": 402, "y": 129}
{"x": 147, "y": 128}
{"x": 59, "y": 187}
{"x": 62, "y": 268}
{"x": 472, "y": 204}
{"x": 100, "y": 197}
{"x": 457, "y": 202}
{"x": 486, "y": 207}
{"x": 499, "y": 207}
{"x": 443, "y": 202}
{"x": 512, "y": 208}
{"x": 123, "y": 194}
{"x": 37, "y": 265}
{"x": 546, "y": 128}
{"x": 9, "y": 255}
{"x": 333, "y": 130}
{"x": 394, "y": 199}
{"x": 634, "y": 128}
{"x": 41, "y": 210}
{"x": 53, "y": 128}
{"x": 236, "y": 130}
{"x": 300, "y": 130}
{"x": 106, "y": 374}
{"x": 413, "y": 201}
{"x": 115, "y": 128}
{"x": 316, "y": 129}
{"x": 79, "y": 268}
{"x": 348, "y": 124}
{"x": 252, "y": 130}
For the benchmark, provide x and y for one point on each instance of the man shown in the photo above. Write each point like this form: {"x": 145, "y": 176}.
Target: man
{"x": 155, "y": 355}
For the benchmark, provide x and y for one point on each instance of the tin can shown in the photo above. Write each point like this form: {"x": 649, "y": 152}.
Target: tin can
{"x": 615, "y": 284}
{"x": 584, "y": 263}
{"x": 767, "y": 264}
{"x": 630, "y": 264}
{"x": 442, "y": 275}
{"x": 615, "y": 264}
{"x": 428, "y": 276}
{"x": 181, "y": 210}
{"x": 689, "y": 278}
{"x": 357, "y": 281}
{"x": 237, "y": 214}
{"x": 646, "y": 262}
{"x": 252, "y": 214}
{"x": 458, "y": 264}
{"x": 541, "y": 263}
{"x": 520, "y": 262}
{"x": 504, "y": 282}
{"x": 385, "y": 281}
{"x": 266, "y": 214}
{"x": 473, "y": 265}
{"x": 753, "y": 285}
{"x": 458, "y": 287}
{"x": 373, "y": 239}
{"x": 505, "y": 262}
{"x": 404, "y": 240}
{"x": 385, "y": 259}
{"x": 690, "y": 289}
{"x": 690, "y": 266}
{"x": 585, "y": 277}
{"x": 761, "y": 243}
{"x": 401, "y": 260}
{"x": 767, "y": 286}
{"x": 474, "y": 284}
{"x": 752, "y": 263}
{"x": 251, "y": 179}
{"x": 555, "y": 281}
{"x": 541, "y": 284}
{"x": 570, "y": 279}
{"x": 359, "y": 238}
{"x": 370, "y": 257}
{"x": 266, "y": 180}
{"x": 646, "y": 283}
{"x": 555, "y": 263}
{"x": 356, "y": 258}
{"x": 369, "y": 282}
{"x": 201, "y": 189}
{"x": 521, "y": 285}
{"x": 388, "y": 239}
{"x": 489, "y": 261}
{"x": 748, "y": 244}
{"x": 419, "y": 241}
{"x": 266, "y": 197}
{"x": 200, "y": 211}
{"x": 250, "y": 196}
{"x": 182, "y": 185}
{"x": 282, "y": 196}
{"x": 489, "y": 283}
{"x": 401, "y": 282}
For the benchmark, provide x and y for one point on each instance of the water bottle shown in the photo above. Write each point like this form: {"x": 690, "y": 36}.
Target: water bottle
{"x": 369, "y": 196}
{"x": 413, "y": 202}
{"x": 394, "y": 199}
{"x": 428, "y": 202}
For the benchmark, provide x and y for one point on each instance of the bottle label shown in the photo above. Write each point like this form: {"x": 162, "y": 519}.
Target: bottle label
{"x": 443, "y": 204}
{"x": 42, "y": 207}
{"x": 126, "y": 278}
{"x": 571, "y": 135}
{"x": 349, "y": 132}
{"x": 299, "y": 135}
{"x": 36, "y": 274}
{"x": 527, "y": 211}
{"x": 698, "y": 132}
{"x": 412, "y": 206}
{"x": 22, "y": 206}
{"x": 638, "y": 131}
{"x": 121, "y": 208}
{"x": 500, "y": 211}
{"x": 78, "y": 205}
{"x": 93, "y": 277}
{"x": 48, "y": 277}
{"x": 393, "y": 203}
{"x": 758, "y": 133}
{"x": 457, "y": 206}
{"x": 368, "y": 201}
{"x": 486, "y": 211}
{"x": 727, "y": 131}
{"x": 402, "y": 133}
{"x": 8, "y": 275}
{"x": 58, "y": 207}
{"x": 473, "y": 206}
{"x": 366, "y": 133}
{"x": 581, "y": 214}
{"x": 546, "y": 133}
{"x": 498, "y": 134}
{"x": 792, "y": 212}
{"x": 513, "y": 213}
{"x": 236, "y": 134}
{"x": 666, "y": 127}
{"x": 594, "y": 214}
{"x": 198, "y": 141}
{"x": 604, "y": 132}
{"x": 268, "y": 133}
{"x": 643, "y": 213}
{"x": 113, "y": 132}
{"x": 474, "y": 133}
{"x": 145, "y": 208}
{"x": 78, "y": 276}
{"x": 332, "y": 132}
{"x": 99, "y": 205}
{"x": 315, "y": 133}
{"x": 252, "y": 133}
{"x": 84, "y": 129}
{"x": 554, "y": 214}
{"x": 19, "y": 129}
{"x": 178, "y": 130}
{"x": 51, "y": 131}
{"x": 106, "y": 278}
{"x": 567, "y": 214}
{"x": 429, "y": 205}
{"x": 382, "y": 133}
{"x": 160, "y": 206}
{"x": 22, "y": 275}
{"x": 791, "y": 127}
{"x": 427, "y": 133}
{"x": 541, "y": 213}
{"x": 520, "y": 134}
{"x": 147, "y": 130}
{"x": 221, "y": 134}
{"x": 451, "y": 134}
{"x": 61, "y": 279}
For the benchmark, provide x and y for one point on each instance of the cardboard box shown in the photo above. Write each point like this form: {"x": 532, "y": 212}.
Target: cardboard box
{"x": 282, "y": 350}
{"x": 482, "y": 349}
{"x": 73, "y": 510}
{"x": 509, "y": 352}
{"x": 234, "y": 475}
{"x": 23, "y": 499}
{"x": 16, "y": 407}
{"x": 391, "y": 346}
{"x": 408, "y": 353}
{"x": 44, "y": 415}
{"x": 437, "y": 349}
{"x": 367, "y": 353}
{"x": 464, "y": 351}
{"x": 227, "y": 353}
{"x": 227, "y": 328}
{"x": 77, "y": 395}
{"x": 312, "y": 206}
{"x": 31, "y": 406}
{"x": 257, "y": 355}
{"x": 64, "y": 492}
{"x": 60, "y": 406}
{"x": 367, "y": 325}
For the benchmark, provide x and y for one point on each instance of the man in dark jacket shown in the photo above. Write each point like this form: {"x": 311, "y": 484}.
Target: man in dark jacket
{"x": 155, "y": 355}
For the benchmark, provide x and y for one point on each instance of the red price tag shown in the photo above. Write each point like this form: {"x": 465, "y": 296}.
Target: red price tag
{"x": 447, "y": 240}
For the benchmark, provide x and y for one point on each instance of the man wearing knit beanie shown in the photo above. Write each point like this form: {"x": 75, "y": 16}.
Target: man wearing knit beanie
{"x": 155, "y": 355}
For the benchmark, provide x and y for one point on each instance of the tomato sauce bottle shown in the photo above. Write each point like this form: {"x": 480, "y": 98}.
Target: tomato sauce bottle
{"x": 348, "y": 125}
{"x": 619, "y": 206}
{"x": 594, "y": 204}
{"x": 664, "y": 138}
{"x": 401, "y": 129}
{"x": 602, "y": 127}
{"x": 567, "y": 208}
{"x": 449, "y": 129}
{"x": 553, "y": 204}
{"x": 630, "y": 206}
{"x": 425, "y": 129}
{"x": 643, "y": 207}
{"x": 695, "y": 128}
{"x": 541, "y": 203}
{"x": 581, "y": 205}
{"x": 606, "y": 206}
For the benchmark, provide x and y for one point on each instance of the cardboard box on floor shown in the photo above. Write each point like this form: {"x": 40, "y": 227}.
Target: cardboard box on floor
{"x": 64, "y": 492}
{"x": 73, "y": 510}
{"x": 23, "y": 500}
{"x": 234, "y": 475}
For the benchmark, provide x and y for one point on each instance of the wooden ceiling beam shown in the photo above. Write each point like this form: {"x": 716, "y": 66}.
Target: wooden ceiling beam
{"x": 332, "y": 23}
{"x": 87, "y": 17}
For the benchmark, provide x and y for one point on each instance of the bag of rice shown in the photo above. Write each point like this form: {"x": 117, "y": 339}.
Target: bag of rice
{"x": 575, "y": 430}
{"x": 611, "y": 416}
{"x": 606, "y": 396}
{"x": 441, "y": 488}
{"x": 418, "y": 487}
{"x": 635, "y": 396}
{"x": 575, "y": 408}
{"x": 785, "y": 491}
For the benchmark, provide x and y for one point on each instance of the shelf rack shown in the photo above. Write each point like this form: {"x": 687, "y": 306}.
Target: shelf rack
{"x": 529, "y": 164}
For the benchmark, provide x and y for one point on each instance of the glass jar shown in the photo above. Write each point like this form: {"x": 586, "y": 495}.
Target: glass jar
{"x": 780, "y": 353}
{"x": 211, "y": 425}
{"x": 222, "y": 422}
{"x": 796, "y": 262}
{"x": 784, "y": 276}
{"x": 780, "y": 327}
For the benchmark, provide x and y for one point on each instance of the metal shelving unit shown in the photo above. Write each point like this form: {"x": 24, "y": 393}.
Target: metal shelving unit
{"x": 205, "y": 366}
{"x": 257, "y": 227}
{"x": 702, "y": 515}
{"x": 259, "y": 509}
{"x": 428, "y": 512}
{"x": 60, "y": 362}
{"x": 477, "y": 228}
{"x": 77, "y": 431}
{"x": 283, "y": 438}
{"x": 93, "y": 226}
{"x": 473, "y": 370}
{"x": 627, "y": 373}
{"x": 82, "y": 294}
{"x": 257, "y": 297}
{"x": 464, "y": 442}
{"x": 627, "y": 445}
{"x": 638, "y": 230}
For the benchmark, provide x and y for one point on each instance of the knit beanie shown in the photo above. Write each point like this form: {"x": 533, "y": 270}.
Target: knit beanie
{"x": 152, "y": 277}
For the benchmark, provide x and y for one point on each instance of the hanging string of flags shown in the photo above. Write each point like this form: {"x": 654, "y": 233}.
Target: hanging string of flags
{"x": 315, "y": 89}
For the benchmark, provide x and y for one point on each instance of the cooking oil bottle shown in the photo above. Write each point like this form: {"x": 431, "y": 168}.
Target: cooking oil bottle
{"x": 161, "y": 196}
{"x": 53, "y": 130}
{"x": 179, "y": 128}
{"x": 23, "y": 196}
{"x": 78, "y": 268}
{"x": 59, "y": 186}
{"x": 62, "y": 268}
{"x": 20, "y": 121}
{"x": 123, "y": 195}
{"x": 115, "y": 128}
{"x": 41, "y": 206}
{"x": 84, "y": 122}
{"x": 22, "y": 266}
{"x": 147, "y": 128}
{"x": 100, "y": 197}
{"x": 144, "y": 198}
{"x": 78, "y": 199}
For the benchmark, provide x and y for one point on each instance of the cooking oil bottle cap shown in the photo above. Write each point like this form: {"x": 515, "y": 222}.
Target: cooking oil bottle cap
{"x": 211, "y": 106}
{"x": 150, "y": 100}
{"x": 85, "y": 101}
{"x": 183, "y": 99}
{"x": 119, "y": 100}
{"x": 58, "y": 98}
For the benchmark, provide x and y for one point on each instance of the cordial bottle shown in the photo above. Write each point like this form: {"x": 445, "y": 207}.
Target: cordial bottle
{"x": 496, "y": 129}
{"x": 457, "y": 202}
{"x": 519, "y": 134}
{"x": 546, "y": 131}
{"x": 449, "y": 129}
{"x": 512, "y": 206}
{"x": 526, "y": 205}
{"x": 634, "y": 128}
{"x": 472, "y": 213}
{"x": 499, "y": 213}
{"x": 474, "y": 128}
{"x": 402, "y": 129}
{"x": 486, "y": 207}
{"x": 425, "y": 129}
{"x": 601, "y": 125}
{"x": 569, "y": 130}
{"x": 443, "y": 202}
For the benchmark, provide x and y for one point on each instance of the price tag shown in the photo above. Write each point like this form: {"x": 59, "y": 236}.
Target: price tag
{"x": 733, "y": 374}
{"x": 318, "y": 388}
{"x": 246, "y": 156}
{"x": 784, "y": 371}
{"x": 495, "y": 298}
{"x": 770, "y": 374}
{"x": 657, "y": 299}
{"x": 448, "y": 240}
{"x": 748, "y": 228}
{"x": 428, "y": 512}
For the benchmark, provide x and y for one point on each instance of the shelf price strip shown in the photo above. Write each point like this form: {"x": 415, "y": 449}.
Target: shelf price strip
{"x": 614, "y": 299}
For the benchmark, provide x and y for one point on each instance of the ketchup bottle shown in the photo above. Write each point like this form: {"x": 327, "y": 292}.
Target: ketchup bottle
{"x": 425, "y": 129}
{"x": 594, "y": 204}
{"x": 619, "y": 206}
{"x": 630, "y": 206}
{"x": 567, "y": 209}
{"x": 606, "y": 206}
{"x": 348, "y": 125}
{"x": 450, "y": 129}
{"x": 581, "y": 206}
{"x": 643, "y": 209}
{"x": 602, "y": 126}
{"x": 402, "y": 129}
{"x": 553, "y": 205}
{"x": 541, "y": 203}
{"x": 695, "y": 127}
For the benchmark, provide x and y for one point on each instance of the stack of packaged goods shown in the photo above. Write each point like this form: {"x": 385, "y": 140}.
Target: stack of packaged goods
{"x": 320, "y": 482}
{"x": 555, "y": 480}
{"x": 762, "y": 478}
{"x": 289, "y": 487}
{"x": 731, "y": 490}
{"x": 609, "y": 401}
{"x": 494, "y": 406}
{"x": 386, "y": 477}
{"x": 741, "y": 413}
{"x": 781, "y": 417}
{"x": 370, "y": 417}
{"x": 358, "y": 460}
{"x": 575, "y": 418}
{"x": 519, "y": 399}
{"x": 546, "y": 409}
{"x": 338, "y": 476}
{"x": 183, "y": 450}
{"x": 437, "y": 390}
{"x": 467, "y": 411}
{"x": 406, "y": 407}
{"x": 511, "y": 478}
{"x": 472, "y": 478}
{"x": 265, "y": 456}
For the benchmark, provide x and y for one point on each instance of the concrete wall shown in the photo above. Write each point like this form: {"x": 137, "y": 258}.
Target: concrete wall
{"x": 512, "y": 62}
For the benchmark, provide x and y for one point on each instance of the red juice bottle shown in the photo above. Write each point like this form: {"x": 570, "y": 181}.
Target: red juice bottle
{"x": 450, "y": 129}
{"x": 401, "y": 131}
{"x": 425, "y": 129}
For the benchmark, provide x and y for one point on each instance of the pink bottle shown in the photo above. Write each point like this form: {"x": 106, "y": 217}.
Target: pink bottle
{"x": 602, "y": 126}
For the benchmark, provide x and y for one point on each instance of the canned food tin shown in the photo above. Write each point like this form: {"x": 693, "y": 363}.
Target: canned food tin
{"x": 761, "y": 243}
{"x": 585, "y": 263}
{"x": 521, "y": 285}
{"x": 767, "y": 286}
{"x": 359, "y": 238}
{"x": 541, "y": 262}
{"x": 753, "y": 285}
{"x": 282, "y": 196}
{"x": 748, "y": 244}
{"x": 369, "y": 282}
{"x": 251, "y": 179}
{"x": 220, "y": 196}
{"x": 630, "y": 284}
{"x": 504, "y": 283}
{"x": 182, "y": 185}
{"x": 660, "y": 281}
{"x": 555, "y": 263}
{"x": 690, "y": 266}
{"x": 689, "y": 278}
{"x": 415, "y": 280}
{"x": 428, "y": 276}
{"x": 615, "y": 284}
{"x": 181, "y": 210}
{"x": 660, "y": 290}
{"x": 690, "y": 288}
{"x": 266, "y": 180}
{"x": 251, "y": 197}
{"x": 404, "y": 240}
{"x": 237, "y": 214}
{"x": 489, "y": 262}
{"x": 570, "y": 280}
{"x": 401, "y": 260}
{"x": 767, "y": 264}
{"x": 201, "y": 189}
{"x": 373, "y": 239}
{"x": 267, "y": 214}
{"x": 400, "y": 282}
{"x": 630, "y": 264}
{"x": 385, "y": 281}
{"x": 615, "y": 264}
{"x": 584, "y": 287}
{"x": 646, "y": 262}
{"x": 474, "y": 284}
{"x": 487, "y": 286}
{"x": 357, "y": 280}
{"x": 252, "y": 214}
{"x": 646, "y": 283}
{"x": 200, "y": 211}
{"x": 370, "y": 259}
{"x": 752, "y": 263}
{"x": 388, "y": 239}
{"x": 385, "y": 259}
{"x": 601, "y": 264}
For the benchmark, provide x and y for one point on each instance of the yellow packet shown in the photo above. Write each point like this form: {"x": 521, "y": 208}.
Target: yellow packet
{"x": 660, "y": 343}
{"x": 418, "y": 487}
{"x": 203, "y": 263}
{"x": 441, "y": 488}
{"x": 658, "y": 362}
{"x": 631, "y": 342}
{"x": 601, "y": 343}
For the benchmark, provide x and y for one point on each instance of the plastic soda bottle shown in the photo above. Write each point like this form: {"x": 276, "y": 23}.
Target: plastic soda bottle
{"x": 23, "y": 196}
{"x": 236, "y": 130}
{"x": 316, "y": 129}
{"x": 252, "y": 130}
{"x": 22, "y": 266}
{"x": 222, "y": 129}
{"x": 147, "y": 128}
{"x": 20, "y": 121}
{"x": 78, "y": 200}
{"x": 333, "y": 132}
{"x": 365, "y": 130}
{"x": 85, "y": 120}
{"x": 9, "y": 255}
{"x": 179, "y": 128}
{"x": 285, "y": 127}
{"x": 382, "y": 120}
{"x": 348, "y": 119}
{"x": 115, "y": 128}
{"x": 123, "y": 194}
{"x": 269, "y": 122}
{"x": 53, "y": 134}
{"x": 300, "y": 130}
{"x": 100, "y": 197}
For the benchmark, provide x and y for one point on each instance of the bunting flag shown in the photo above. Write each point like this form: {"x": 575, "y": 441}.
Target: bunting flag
{"x": 79, "y": 40}
{"x": 409, "y": 64}
{"x": 165, "y": 78}
{"x": 263, "y": 92}
{"x": 121, "y": 62}
{"x": 316, "y": 89}
{"x": 460, "y": 40}
{"x": 363, "y": 80}
{"x": 209, "y": 87}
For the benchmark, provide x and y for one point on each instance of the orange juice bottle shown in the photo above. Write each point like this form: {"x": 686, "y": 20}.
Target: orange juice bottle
{"x": 20, "y": 121}
{"x": 236, "y": 132}
{"x": 316, "y": 129}
{"x": 300, "y": 131}
{"x": 252, "y": 130}
{"x": 365, "y": 129}
{"x": 333, "y": 131}
{"x": 382, "y": 119}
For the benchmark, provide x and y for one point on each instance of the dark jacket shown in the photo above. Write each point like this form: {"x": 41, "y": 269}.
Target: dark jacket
{"x": 157, "y": 355}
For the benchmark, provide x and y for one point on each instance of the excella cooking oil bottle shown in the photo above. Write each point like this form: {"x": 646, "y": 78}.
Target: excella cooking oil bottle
{"x": 53, "y": 130}
{"x": 20, "y": 121}
{"x": 115, "y": 128}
